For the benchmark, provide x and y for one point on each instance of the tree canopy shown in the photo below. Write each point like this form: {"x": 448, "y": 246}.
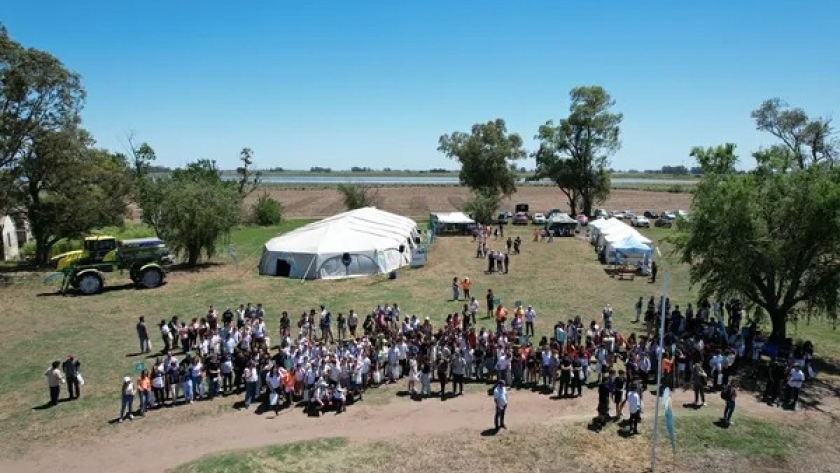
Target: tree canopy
{"x": 193, "y": 209}
{"x": 770, "y": 236}
{"x": 488, "y": 156}
{"x": 575, "y": 153}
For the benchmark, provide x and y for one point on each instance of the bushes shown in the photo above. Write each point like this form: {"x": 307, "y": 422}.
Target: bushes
{"x": 266, "y": 211}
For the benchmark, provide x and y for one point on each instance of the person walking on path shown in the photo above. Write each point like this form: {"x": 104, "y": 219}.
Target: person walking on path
{"x": 500, "y": 398}
{"x": 729, "y": 394}
{"x": 71, "y": 374}
{"x": 143, "y": 335}
{"x": 54, "y": 380}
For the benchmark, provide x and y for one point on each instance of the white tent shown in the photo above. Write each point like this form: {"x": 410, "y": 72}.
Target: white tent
{"x": 452, "y": 218}
{"x": 617, "y": 233}
{"x": 599, "y": 226}
{"x": 355, "y": 243}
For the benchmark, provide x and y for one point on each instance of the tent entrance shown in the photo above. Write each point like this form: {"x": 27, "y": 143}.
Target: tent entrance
{"x": 283, "y": 268}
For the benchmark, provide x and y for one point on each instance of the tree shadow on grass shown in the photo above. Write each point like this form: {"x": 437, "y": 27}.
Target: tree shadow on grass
{"x": 105, "y": 290}
{"x": 185, "y": 268}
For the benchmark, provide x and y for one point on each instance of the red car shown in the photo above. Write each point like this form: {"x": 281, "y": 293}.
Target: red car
{"x": 521, "y": 218}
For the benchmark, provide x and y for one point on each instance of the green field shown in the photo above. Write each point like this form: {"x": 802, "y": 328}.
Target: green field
{"x": 561, "y": 279}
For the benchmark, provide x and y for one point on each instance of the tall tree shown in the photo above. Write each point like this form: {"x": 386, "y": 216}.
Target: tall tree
{"x": 487, "y": 155}
{"x": 37, "y": 94}
{"x": 193, "y": 210}
{"x": 770, "y": 236}
{"x": 65, "y": 189}
{"x": 575, "y": 153}
{"x": 482, "y": 206}
{"x": 803, "y": 141}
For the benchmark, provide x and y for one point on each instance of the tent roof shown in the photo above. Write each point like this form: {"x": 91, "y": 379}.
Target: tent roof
{"x": 363, "y": 229}
{"x": 632, "y": 242}
{"x": 561, "y": 218}
{"x": 453, "y": 217}
{"x": 617, "y": 236}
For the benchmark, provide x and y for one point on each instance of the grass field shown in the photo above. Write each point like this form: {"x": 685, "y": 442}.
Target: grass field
{"x": 561, "y": 279}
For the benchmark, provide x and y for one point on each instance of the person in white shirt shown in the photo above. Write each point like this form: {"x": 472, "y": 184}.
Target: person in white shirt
{"x": 794, "y": 386}
{"x": 635, "y": 406}
{"x": 500, "y": 399}
{"x": 530, "y": 317}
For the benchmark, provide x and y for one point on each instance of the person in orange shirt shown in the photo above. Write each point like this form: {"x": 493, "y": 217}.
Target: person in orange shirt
{"x": 289, "y": 385}
{"x": 465, "y": 286}
{"x": 501, "y": 316}
{"x": 144, "y": 391}
{"x": 667, "y": 367}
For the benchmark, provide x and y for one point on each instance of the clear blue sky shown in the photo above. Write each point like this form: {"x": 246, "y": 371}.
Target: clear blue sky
{"x": 364, "y": 83}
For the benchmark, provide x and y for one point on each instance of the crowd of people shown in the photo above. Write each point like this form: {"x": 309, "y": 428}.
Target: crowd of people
{"x": 322, "y": 361}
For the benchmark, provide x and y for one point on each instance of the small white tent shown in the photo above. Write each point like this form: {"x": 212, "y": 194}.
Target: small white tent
{"x": 356, "y": 243}
{"x": 629, "y": 247}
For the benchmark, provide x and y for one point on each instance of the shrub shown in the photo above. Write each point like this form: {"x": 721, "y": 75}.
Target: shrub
{"x": 266, "y": 211}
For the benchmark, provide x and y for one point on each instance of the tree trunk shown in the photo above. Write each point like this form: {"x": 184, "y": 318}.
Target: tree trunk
{"x": 193, "y": 255}
{"x": 42, "y": 250}
{"x": 778, "y": 321}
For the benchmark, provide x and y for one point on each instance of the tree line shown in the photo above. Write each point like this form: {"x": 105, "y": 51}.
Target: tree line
{"x": 55, "y": 177}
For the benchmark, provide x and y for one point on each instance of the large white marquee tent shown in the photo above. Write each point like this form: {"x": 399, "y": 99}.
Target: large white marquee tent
{"x": 372, "y": 241}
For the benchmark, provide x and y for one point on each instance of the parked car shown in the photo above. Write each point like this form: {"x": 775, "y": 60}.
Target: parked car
{"x": 665, "y": 220}
{"x": 618, "y": 214}
{"x": 680, "y": 213}
{"x": 629, "y": 214}
{"x": 552, "y": 213}
{"x": 521, "y": 218}
{"x": 640, "y": 221}
{"x": 538, "y": 219}
{"x": 505, "y": 217}
{"x": 651, "y": 214}
{"x": 668, "y": 215}
{"x": 601, "y": 213}
{"x": 522, "y": 208}
{"x": 583, "y": 220}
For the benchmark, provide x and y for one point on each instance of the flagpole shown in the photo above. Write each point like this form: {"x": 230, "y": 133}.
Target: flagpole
{"x": 659, "y": 372}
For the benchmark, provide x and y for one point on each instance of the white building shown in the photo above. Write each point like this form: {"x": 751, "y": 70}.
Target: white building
{"x": 15, "y": 233}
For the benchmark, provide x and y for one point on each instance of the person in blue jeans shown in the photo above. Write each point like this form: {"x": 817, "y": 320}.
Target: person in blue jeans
{"x": 185, "y": 379}
{"x": 127, "y": 400}
{"x": 729, "y": 394}
{"x": 455, "y": 289}
{"x": 252, "y": 376}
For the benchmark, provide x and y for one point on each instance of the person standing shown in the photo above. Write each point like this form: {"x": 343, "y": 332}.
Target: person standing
{"x": 455, "y": 289}
{"x": 794, "y": 386}
{"x": 491, "y": 305}
{"x": 729, "y": 394}
{"x": 443, "y": 374}
{"x": 127, "y": 400}
{"x": 71, "y": 374}
{"x": 458, "y": 366}
{"x": 500, "y": 398}
{"x": 506, "y": 262}
{"x": 638, "y": 308}
{"x": 465, "y": 287}
{"x": 54, "y": 379}
{"x": 634, "y": 403}
{"x": 530, "y": 317}
{"x": 654, "y": 268}
{"x": 143, "y": 335}
{"x": 698, "y": 381}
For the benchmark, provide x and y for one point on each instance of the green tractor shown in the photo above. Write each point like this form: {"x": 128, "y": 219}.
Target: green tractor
{"x": 144, "y": 258}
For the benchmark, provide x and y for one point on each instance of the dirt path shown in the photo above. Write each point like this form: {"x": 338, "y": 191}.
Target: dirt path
{"x": 131, "y": 448}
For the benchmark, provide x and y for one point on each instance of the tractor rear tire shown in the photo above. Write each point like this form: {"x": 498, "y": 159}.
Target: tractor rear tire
{"x": 150, "y": 278}
{"x": 89, "y": 283}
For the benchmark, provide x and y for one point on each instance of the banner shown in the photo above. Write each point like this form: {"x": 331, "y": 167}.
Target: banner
{"x": 669, "y": 420}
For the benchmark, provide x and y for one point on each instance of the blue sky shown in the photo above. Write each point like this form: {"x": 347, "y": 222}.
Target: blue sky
{"x": 375, "y": 83}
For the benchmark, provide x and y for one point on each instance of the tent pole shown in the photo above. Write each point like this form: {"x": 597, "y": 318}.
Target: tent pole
{"x": 303, "y": 276}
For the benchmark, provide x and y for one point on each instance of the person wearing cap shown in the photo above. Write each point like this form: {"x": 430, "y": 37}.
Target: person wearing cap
{"x": 500, "y": 399}
{"x": 71, "y": 374}
{"x": 127, "y": 401}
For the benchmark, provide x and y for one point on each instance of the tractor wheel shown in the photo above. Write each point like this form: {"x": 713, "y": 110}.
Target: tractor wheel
{"x": 150, "y": 277}
{"x": 89, "y": 284}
